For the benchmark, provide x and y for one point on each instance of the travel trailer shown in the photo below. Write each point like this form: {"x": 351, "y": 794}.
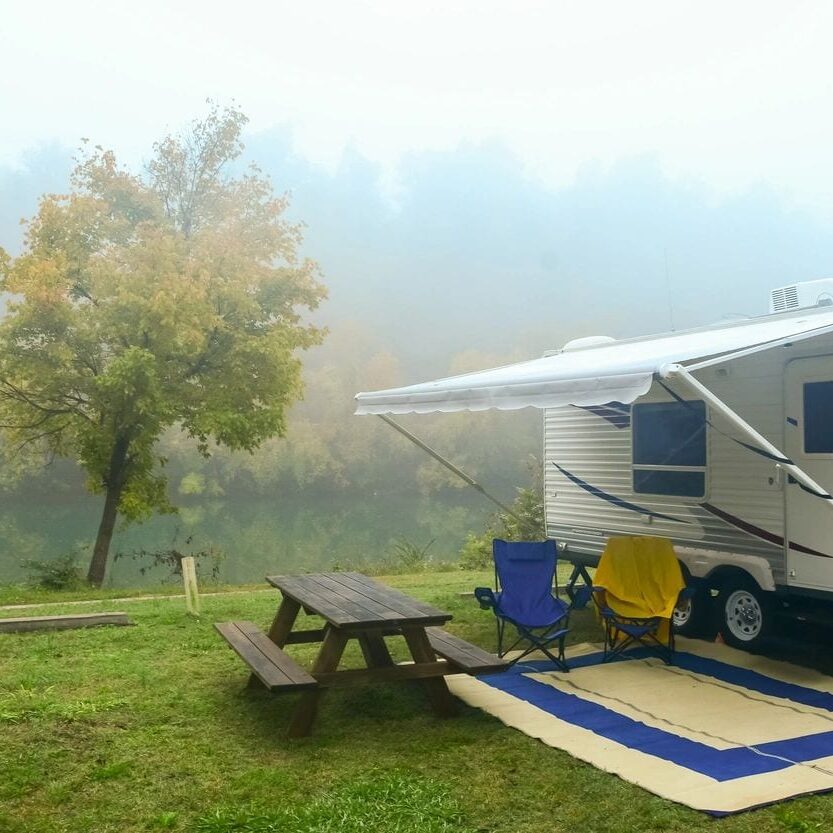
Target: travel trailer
{"x": 719, "y": 438}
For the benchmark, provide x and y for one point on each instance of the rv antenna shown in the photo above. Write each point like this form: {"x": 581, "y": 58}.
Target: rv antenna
{"x": 668, "y": 290}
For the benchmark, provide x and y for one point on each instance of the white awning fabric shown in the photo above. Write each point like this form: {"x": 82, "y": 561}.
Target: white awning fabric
{"x": 610, "y": 372}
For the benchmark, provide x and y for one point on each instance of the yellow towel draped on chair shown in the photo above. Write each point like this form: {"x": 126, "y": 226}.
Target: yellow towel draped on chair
{"x": 641, "y": 578}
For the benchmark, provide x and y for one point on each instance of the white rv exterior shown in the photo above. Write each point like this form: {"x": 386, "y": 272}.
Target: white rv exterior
{"x": 748, "y": 508}
{"x": 719, "y": 438}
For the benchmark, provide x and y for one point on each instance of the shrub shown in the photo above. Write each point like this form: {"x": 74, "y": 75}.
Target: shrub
{"x": 207, "y": 561}
{"x": 411, "y": 557}
{"x": 62, "y": 573}
{"x": 476, "y": 553}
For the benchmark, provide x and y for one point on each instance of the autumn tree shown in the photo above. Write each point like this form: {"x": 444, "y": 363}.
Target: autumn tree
{"x": 174, "y": 297}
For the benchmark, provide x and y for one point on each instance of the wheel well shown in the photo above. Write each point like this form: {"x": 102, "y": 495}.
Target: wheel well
{"x": 725, "y": 574}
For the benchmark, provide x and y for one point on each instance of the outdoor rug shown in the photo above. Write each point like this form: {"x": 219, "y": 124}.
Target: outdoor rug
{"x": 720, "y": 730}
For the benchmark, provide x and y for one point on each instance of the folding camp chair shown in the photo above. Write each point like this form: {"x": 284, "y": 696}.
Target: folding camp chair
{"x": 621, "y": 632}
{"x": 637, "y": 586}
{"x": 524, "y": 573}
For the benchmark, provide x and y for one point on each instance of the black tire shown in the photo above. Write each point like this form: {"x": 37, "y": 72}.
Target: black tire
{"x": 695, "y": 617}
{"x": 745, "y": 614}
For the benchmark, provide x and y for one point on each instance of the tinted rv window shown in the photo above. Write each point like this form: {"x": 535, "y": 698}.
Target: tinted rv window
{"x": 669, "y": 448}
{"x": 818, "y": 418}
{"x": 679, "y": 483}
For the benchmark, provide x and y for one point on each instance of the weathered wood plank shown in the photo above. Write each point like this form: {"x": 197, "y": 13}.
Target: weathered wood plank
{"x": 374, "y": 650}
{"x": 302, "y": 637}
{"x": 363, "y": 593}
{"x": 363, "y": 608}
{"x": 274, "y": 668}
{"x": 327, "y": 661}
{"x": 455, "y": 644}
{"x": 350, "y": 600}
{"x": 385, "y": 674}
{"x": 436, "y": 688}
{"x": 283, "y": 621}
{"x": 278, "y": 657}
{"x": 467, "y": 657}
{"x": 335, "y": 603}
{"x": 407, "y": 606}
{"x": 310, "y": 597}
{"x": 262, "y": 669}
{"x": 66, "y": 622}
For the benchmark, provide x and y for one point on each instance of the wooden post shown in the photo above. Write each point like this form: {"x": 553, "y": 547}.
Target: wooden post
{"x": 189, "y": 582}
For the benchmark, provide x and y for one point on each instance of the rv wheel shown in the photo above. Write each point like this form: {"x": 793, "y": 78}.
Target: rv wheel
{"x": 695, "y": 616}
{"x": 745, "y": 613}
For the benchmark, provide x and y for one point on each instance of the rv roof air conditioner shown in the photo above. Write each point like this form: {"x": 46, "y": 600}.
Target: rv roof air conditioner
{"x": 802, "y": 295}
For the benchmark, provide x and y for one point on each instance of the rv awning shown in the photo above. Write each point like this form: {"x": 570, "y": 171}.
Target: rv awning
{"x": 609, "y": 372}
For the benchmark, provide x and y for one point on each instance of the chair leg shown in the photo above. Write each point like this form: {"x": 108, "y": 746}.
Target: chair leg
{"x": 616, "y": 642}
{"x": 538, "y": 644}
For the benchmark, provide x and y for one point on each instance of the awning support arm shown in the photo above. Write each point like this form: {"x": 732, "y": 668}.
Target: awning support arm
{"x": 455, "y": 470}
{"x": 679, "y": 373}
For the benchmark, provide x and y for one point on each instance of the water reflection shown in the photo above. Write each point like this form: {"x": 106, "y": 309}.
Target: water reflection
{"x": 255, "y": 537}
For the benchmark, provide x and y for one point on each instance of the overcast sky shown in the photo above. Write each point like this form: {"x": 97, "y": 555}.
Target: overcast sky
{"x": 725, "y": 94}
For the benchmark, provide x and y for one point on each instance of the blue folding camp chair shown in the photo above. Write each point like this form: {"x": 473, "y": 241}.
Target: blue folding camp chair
{"x": 524, "y": 573}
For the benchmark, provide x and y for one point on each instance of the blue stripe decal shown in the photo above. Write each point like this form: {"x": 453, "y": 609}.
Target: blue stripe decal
{"x": 616, "y": 413}
{"x": 792, "y": 421}
{"x": 720, "y": 764}
{"x": 616, "y": 501}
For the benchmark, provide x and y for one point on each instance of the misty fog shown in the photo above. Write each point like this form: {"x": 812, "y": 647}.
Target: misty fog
{"x": 466, "y": 252}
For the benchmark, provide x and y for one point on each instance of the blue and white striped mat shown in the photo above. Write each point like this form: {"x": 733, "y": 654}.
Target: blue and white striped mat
{"x": 720, "y": 731}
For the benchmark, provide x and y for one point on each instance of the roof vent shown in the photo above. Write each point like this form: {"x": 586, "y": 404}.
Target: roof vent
{"x": 587, "y": 341}
{"x": 802, "y": 295}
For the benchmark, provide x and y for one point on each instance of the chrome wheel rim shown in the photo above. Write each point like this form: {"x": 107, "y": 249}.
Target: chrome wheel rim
{"x": 744, "y": 616}
{"x": 682, "y": 614}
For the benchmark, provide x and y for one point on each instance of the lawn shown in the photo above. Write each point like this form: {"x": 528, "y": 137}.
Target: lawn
{"x": 149, "y": 728}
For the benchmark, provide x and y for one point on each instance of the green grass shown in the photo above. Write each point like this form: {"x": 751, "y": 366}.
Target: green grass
{"x": 149, "y": 728}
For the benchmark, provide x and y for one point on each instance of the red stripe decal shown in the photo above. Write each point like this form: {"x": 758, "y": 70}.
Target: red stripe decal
{"x": 751, "y": 529}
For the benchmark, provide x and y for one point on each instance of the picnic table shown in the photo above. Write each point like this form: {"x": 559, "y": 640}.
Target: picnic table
{"x": 353, "y": 606}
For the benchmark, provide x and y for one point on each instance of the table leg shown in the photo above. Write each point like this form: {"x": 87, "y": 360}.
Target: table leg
{"x": 283, "y": 621}
{"x": 376, "y": 654}
{"x": 328, "y": 658}
{"x": 280, "y": 629}
{"x": 435, "y": 687}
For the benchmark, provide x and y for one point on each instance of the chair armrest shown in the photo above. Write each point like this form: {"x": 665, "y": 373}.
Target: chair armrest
{"x": 599, "y": 596}
{"x": 485, "y": 597}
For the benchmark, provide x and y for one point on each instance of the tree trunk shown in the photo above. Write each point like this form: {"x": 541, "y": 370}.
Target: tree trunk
{"x": 115, "y": 484}
{"x": 98, "y": 564}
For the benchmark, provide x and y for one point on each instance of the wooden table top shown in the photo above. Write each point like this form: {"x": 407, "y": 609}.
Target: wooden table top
{"x": 352, "y": 600}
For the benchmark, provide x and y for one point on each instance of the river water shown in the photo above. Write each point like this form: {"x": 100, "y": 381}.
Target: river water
{"x": 246, "y": 539}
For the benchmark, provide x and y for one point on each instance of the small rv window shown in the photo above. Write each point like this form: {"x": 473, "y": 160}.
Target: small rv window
{"x": 818, "y": 418}
{"x": 669, "y": 448}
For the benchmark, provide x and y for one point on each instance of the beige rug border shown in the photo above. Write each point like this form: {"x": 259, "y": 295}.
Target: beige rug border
{"x": 653, "y": 774}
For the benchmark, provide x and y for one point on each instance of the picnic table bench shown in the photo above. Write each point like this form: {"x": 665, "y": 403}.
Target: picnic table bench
{"x": 353, "y": 606}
